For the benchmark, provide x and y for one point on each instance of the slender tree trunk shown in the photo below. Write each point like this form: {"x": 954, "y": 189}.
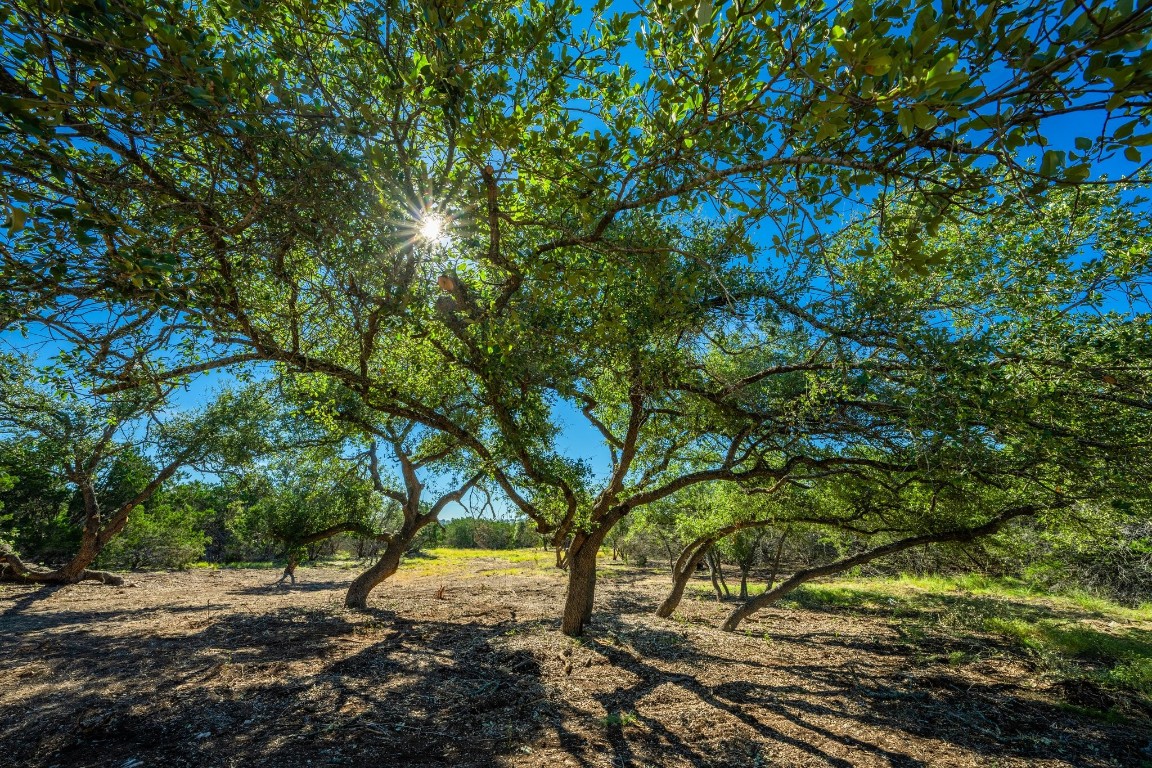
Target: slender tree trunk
{"x": 776, "y": 561}
{"x": 681, "y": 573}
{"x": 389, "y": 562}
{"x": 800, "y": 577}
{"x": 290, "y": 568}
{"x": 717, "y": 575}
{"x": 743, "y": 583}
{"x": 690, "y": 559}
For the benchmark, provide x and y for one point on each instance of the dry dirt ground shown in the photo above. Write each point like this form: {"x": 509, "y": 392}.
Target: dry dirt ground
{"x": 220, "y": 668}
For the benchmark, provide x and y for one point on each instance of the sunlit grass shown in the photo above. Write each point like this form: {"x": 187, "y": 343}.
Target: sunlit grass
{"x": 880, "y": 591}
{"x": 239, "y": 564}
{"x": 1073, "y": 637}
{"x": 466, "y": 562}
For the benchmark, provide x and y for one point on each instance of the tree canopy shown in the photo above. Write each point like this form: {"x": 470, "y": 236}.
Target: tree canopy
{"x": 749, "y": 242}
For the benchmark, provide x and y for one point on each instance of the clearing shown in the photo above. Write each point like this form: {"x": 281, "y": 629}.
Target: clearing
{"x": 221, "y": 668}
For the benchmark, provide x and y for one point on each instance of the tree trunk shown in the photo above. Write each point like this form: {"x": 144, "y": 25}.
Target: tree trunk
{"x": 581, "y": 584}
{"x": 776, "y": 561}
{"x": 711, "y": 560}
{"x": 798, "y": 578}
{"x": 689, "y": 561}
{"x": 743, "y": 583}
{"x": 290, "y": 568}
{"x": 362, "y": 585}
{"x": 12, "y": 568}
{"x": 683, "y": 570}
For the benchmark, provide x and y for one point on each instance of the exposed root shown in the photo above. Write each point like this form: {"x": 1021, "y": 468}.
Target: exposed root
{"x": 12, "y": 568}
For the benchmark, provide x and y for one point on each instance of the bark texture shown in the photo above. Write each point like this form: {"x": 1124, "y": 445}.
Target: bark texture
{"x": 358, "y": 591}
{"x": 12, "y": 568}
{"x": 581, "y": 582}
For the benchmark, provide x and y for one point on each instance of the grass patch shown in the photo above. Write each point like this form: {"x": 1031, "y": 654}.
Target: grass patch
{"x": 265, "y": 564}
{"x": 1120, "y": 660}
{"x": 444, "y": 560}
{"x": 1074, "y": 638}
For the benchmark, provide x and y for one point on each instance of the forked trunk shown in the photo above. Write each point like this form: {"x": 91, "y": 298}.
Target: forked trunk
{"x": 716, "y": 572}
{"x": 358, "y": 591}
{"x": 290, "y": 569}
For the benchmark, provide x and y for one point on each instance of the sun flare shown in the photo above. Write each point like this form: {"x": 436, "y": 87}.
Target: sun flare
{"x": 432, "y": 228}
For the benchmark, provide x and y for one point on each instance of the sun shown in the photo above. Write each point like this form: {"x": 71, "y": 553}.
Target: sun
{"x": 432, "y": 228}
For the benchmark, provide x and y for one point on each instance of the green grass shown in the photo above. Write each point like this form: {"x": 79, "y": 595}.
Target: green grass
{"x": 878, "y": 592}
{"x": 1072, "y": 636}
{"x": 268, "y": 564}
{"x": 1120, "y": 659}
{"x": 619, "y": 719}
{"x": 511, "y": 562}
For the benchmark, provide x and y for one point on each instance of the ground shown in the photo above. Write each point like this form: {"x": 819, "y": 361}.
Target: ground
{"x": 460, "y": 663}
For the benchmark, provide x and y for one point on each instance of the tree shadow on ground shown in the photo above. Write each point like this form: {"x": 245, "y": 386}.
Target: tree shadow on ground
{"x": 275, "y": 587}
{"x": 314, "y": 686}
{"x": 997, "y": 721}
{"x": 281, "y": 689}
{"x": 30, "y": 594}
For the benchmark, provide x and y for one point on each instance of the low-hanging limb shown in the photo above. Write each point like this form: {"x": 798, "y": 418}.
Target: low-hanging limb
{"x": 295, "y": 548}
{"x": 12, "y": 568}
{"x": 800, "y": 577}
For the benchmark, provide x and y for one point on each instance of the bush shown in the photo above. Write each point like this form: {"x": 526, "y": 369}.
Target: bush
{"x": 474, "y": 533}
{"x": 163, "y": 536}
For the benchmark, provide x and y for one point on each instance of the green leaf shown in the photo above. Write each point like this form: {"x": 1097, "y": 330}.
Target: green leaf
{"x": 16, "y": 219}
{"x": 1053, "y": 159}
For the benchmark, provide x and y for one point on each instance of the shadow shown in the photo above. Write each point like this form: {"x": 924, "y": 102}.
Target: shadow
{"x": 875, "y": 711}
{"x": 14, "y": 624}
{"x": 33, "y": 594}
{"x": 276, "y": 588}
{"x": 645, "y": 644}
{"x": 293, "y": 687}
{"x": 463, "y": 683}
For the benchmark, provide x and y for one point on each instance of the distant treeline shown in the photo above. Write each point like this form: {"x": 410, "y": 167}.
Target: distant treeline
{"x": 196, "y": 521}
{"x": 479, "y": 533}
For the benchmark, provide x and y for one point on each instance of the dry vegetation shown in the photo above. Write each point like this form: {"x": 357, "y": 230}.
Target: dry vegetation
{"x": 220, "y": 668}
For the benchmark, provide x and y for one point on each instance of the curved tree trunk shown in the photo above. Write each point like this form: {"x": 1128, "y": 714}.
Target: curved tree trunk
{"x": 690, "y": 559}
{"x": 12, "y": 568}
{"x": 800, "y": 577}
{"x": 685, "y": 566}
{"x": 358, "y": 591}
{"x": 99, "y": 529}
